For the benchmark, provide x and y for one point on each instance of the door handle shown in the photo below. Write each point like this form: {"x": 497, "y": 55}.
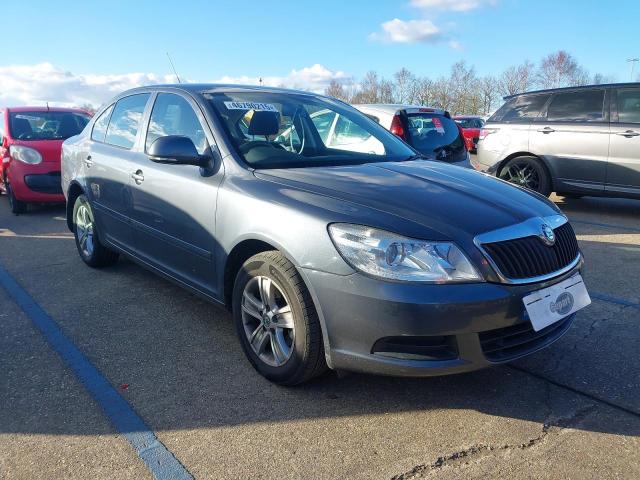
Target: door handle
{"x": 88, "y": 162}
{"x": 628, "y": 134}
{"x": 546, "y": 130}
{"x": 138, "y": 177}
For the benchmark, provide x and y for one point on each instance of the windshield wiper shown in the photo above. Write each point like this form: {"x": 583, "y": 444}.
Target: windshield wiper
{"x": 417, "y": 156}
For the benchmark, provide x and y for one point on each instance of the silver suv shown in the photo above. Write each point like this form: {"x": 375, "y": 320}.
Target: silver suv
{"x": 574, "y": 141}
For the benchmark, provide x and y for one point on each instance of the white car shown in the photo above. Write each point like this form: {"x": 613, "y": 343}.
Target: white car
{"x": 431, "y": 131}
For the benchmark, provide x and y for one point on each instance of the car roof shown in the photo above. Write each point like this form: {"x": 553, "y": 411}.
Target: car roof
{"x": 581, "y": 87}
{"x": 43, "y": 109}
{"x": 464, "y": 117}
{"x": 391, "y": 108}
{"x": 222, "y": 87}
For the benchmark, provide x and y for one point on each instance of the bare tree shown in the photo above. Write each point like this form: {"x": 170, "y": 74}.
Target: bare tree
{"x": 560, "y": 69}
{"x": 489, "y": 92}
{"x": 337, "y": 90}
{"x": 424, "y": 94}
{"x": 404, "y": 86}
{"x": 517, "y": 79}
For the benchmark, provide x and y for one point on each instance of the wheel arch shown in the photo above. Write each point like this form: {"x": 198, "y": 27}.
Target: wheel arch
{"x": 74, "y": 191}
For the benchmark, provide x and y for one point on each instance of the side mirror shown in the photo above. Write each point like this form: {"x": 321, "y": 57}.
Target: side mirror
{"x": 176, "y": 150}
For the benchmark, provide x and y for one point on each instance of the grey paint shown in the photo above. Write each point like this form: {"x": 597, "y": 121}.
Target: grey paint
{"x": 183, "y": 222}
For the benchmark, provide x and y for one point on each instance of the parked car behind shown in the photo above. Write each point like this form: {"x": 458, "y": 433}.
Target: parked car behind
{"x": 376, "y": 261}
{"x": 574, "y": 141}
{"x": 431, "y": 131}
{"x": 471, "y": 126}
{"x": 30, "y": 150}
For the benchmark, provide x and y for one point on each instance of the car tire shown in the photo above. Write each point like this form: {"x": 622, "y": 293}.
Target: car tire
{"x": 527, "y": 172}
{"x": 280, "y": 334}
{"x": 17, "y": 206}
{"x": 92, "y": 252}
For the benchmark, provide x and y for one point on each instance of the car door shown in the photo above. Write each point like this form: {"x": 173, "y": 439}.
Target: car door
{"x": 572, "y": 135}
{"x": 623, "y": 168}
{"x": 108, "y": 167}
{"x": 174, "y": 206}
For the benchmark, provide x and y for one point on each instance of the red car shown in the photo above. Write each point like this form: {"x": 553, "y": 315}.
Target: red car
{"x": 471, "y": 126}
{"x": 30, "y": 150}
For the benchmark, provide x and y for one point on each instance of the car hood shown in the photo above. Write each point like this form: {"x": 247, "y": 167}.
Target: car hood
{"x": 448, "y": 202}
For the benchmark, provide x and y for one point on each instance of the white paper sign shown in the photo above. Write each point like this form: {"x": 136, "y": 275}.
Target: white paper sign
{"x": 257, "y": 106}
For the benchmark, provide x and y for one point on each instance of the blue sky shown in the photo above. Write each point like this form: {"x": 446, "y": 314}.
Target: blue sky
{"x": 246, "y": 39}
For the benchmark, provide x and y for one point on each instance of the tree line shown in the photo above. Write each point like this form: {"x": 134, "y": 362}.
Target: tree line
{"x": 463, "y": 91}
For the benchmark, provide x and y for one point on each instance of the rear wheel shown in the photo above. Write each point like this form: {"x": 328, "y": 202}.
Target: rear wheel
{"x": 92, "y": 252}
{"x": 17, "y": 206}
{"x": 527, "y": 172}
{"x": 276, "y": 320}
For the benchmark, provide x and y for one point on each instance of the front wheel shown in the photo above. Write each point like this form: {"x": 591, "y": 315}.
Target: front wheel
{"x": 17, "y": 206}
{"x": 527, "y": 172}
{"x": 92, "y": 252}
{"x": 276, "y": 321}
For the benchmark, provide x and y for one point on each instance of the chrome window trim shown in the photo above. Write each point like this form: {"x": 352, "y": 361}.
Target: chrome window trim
{"x": 528, "y": 228}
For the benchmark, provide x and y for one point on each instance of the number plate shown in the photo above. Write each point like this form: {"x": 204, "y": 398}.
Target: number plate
{"x": 554, "y": 303}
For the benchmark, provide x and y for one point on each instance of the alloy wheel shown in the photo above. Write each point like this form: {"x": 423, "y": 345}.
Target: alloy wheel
{"x": 84, "y": 230}
{"x": 523, "y": 174}
{"x": 268, "y": 321}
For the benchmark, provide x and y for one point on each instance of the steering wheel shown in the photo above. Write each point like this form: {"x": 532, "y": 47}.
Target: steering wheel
{"x": 246, "y": 147}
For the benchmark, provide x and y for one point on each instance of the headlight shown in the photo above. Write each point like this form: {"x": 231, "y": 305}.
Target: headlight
{"x": 25, "y": 154}
{"x": 391, "y": 256}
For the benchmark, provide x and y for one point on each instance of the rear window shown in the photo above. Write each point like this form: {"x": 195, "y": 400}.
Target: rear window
{"x": 521, "y": 109}
{"x": 469, "y": 122}
{"x": 46, "y": 125}
{"x": 429, "y": 131}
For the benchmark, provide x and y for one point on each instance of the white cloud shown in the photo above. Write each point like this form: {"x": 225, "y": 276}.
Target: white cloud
{"x": 44, "y": 82}
{"x": 314, "y": 78}
{"x": 452, "y": 5}
{"x": 408, "y": 31}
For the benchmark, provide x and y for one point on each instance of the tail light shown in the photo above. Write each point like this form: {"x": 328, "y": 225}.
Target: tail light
{"x": 397, "y": 128}
{"x": 464, "y": 142}
{"x": 485, "y": 132}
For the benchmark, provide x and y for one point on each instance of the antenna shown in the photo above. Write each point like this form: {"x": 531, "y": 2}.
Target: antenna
{"x": 173, "y": 67}
{"x": 633, "y": 62}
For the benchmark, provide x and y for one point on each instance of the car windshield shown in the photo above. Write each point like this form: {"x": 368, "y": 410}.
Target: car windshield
{"x": 432, "y": 132}
{"x": 46, "y": 125}
{"x": 287, "y": 130}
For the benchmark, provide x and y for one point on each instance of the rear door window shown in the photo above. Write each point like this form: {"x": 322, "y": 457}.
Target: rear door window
{"x": 629, "y": 105}
{"x": 125, "y": 121}
{"x": 581, "y": 106}
{"x": 521, "y": 109}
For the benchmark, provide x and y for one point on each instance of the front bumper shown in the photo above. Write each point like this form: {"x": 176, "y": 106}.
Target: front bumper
{"x": 36, "y": 183}
{"x": 435, "y": 329}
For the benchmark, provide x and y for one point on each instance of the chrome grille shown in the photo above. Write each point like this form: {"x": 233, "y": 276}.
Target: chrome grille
{"x": 530, "y": 257}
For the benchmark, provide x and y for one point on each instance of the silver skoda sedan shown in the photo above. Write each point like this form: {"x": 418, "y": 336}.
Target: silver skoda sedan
{"x": 333, "y": 242}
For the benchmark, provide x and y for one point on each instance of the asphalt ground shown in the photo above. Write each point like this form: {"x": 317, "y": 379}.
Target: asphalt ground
{"x": 570, "y": 411}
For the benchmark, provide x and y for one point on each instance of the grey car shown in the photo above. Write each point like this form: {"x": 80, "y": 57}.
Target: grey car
{"x": 372, "y": 260}
{"x": 574, "y": 141}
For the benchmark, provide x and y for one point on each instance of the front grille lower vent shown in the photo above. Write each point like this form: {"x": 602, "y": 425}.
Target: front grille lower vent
{"x": 530, "y": 257}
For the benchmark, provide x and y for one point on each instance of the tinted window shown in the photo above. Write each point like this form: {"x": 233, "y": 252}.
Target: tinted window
{"x": 429, "y": 132}
{"x": 125, "y": 120}
{"x": 629, "y": 105}
{"x": 173, "y": 115}
{"x": 469, "y": 122}
{"x": 46, "y": 125}
{"x": 521, "y": 109}
{"x": 584, "y": 106}
{"x": 100, "y": 125}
